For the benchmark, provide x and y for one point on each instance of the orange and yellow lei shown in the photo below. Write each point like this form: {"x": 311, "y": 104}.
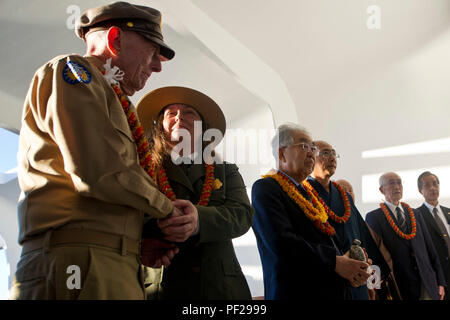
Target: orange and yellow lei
{"x": 164, "y": 185}
{"x": 145, "y": 157}
{"x": 314, "y": 211}
{"x": 395, "y": 227}
{"x": 347, "y": 213}
{"x": 143, "y": 148}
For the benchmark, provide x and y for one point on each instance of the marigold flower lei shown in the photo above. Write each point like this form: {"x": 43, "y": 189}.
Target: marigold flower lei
{"x": 347, "y": 213}
{"x": 314, "y": 211}
{"x": 146, "y": 159}
{"x": 164, "y": 185}
{"x": 113, "y": 75}
{"x": 394, "y": 225}
{"x": 143, "y": 148}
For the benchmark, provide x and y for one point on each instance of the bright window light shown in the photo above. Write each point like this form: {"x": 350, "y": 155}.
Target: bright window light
{"x": 370, "y": 184}
{"x": 245, "y": 240}
{"x": 253, "y": 271}
{"x": 431, "y": 146}
{"x": 8, "y": 161}
{"x": 4, "y": 271}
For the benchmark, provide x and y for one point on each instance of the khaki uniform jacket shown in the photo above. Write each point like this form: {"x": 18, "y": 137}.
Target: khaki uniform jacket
{"x": 78, "y": 164}
{"x": 206, "y": 266}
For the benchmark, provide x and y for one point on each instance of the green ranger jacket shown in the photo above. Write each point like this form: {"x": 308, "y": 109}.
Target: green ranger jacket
{"x": 206, "y": 266}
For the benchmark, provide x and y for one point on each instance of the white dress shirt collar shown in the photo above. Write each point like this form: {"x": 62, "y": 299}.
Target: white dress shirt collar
{"x": 440, "y": 214}
{"x": 430, "y": 207}
{"x": 290, "y": 178}
{"x": 393, "y": 207}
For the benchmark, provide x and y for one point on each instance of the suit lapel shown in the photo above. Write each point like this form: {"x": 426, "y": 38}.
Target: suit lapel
{"x": 394, "y": 217}
{"x": 196, "y": 171}
{"x": 426, "y": 214}
{"x": 407, "y": 218}
{"x": 405, "y": 242}
{"x": 175, "y": 173}
{"x": 446, "y": 212}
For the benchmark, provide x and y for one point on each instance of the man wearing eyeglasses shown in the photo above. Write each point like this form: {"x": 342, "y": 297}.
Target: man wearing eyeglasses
{"x": 349, "y": 224}
{"x": 300, "y": 255}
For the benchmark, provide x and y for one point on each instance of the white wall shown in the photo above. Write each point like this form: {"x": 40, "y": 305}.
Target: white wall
{"x": 402, "y": 102}
{"x": 9, "y": 194}
{"x": 358, "y": 88}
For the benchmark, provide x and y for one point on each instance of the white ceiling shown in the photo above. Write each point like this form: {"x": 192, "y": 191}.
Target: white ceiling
{"x": 319, "y": 48}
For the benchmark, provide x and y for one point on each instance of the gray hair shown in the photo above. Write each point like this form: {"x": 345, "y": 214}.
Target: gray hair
{"x": 283, "y": 137}
{"x": 383, "y": 179}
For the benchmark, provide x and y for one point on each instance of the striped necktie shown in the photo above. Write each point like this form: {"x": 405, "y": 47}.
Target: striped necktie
{"x": 441, "y": 227}
{"x": 401, "y": 219}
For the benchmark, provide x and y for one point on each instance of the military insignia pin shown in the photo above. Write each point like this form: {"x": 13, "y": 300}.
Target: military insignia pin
{"x": 75, "y": 73}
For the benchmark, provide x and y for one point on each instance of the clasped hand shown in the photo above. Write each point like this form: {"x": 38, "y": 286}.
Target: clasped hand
{"x": 182, "y": 223}
{"x": 354, "y": 271}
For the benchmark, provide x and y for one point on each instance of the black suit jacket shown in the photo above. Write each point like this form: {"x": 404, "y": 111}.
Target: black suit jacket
{"x": 415, "y": 261}
{"x": 354, "y": 228}
{"x": 298, "y": 260}
{"x": 438, "y": 240}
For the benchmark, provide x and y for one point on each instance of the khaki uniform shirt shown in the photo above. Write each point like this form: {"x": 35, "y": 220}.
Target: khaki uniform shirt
{"x": 78, "y": 164}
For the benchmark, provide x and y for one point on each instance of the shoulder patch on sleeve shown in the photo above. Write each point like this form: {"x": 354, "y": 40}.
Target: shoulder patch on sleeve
{"x": 75, "y": 73}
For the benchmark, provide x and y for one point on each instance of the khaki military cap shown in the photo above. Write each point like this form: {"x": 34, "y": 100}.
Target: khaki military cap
{"x": 144, "y": 20}
{"x": 153, "y": 103}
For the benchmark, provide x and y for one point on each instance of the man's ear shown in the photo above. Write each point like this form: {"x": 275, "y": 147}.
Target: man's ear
{"x": 281, "y": 157}
{"x": 114, "y": 40}
{"x": 381, "y": 190}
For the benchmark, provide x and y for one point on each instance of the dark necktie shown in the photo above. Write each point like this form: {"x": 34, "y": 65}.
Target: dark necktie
{"x": 401, "y": 219}
{"x": 441, "y": 227}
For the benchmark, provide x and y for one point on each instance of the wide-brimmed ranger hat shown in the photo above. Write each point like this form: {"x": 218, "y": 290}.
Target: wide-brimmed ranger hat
{"x": 152, "y": 104}
{"x": 144, "y": 20}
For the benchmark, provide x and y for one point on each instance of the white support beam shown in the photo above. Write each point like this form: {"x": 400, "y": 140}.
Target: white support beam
{"x": 248, "y": 69}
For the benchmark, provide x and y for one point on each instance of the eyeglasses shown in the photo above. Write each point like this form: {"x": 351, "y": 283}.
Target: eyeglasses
{"x": 327, "y": 154}
{"x": 393, "y": 183}
{"x": 306, "y": 146}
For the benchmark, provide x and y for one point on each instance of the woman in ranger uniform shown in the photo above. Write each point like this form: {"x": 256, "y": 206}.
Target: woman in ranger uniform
{"x": 206, "y": 266}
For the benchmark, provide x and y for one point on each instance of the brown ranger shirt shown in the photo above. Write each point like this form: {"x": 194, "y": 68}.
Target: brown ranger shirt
{"x": 78, "y": 164}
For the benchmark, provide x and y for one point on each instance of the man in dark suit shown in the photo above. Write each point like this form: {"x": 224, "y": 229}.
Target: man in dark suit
{"x": 437, "y": 219}
{"x": 299, "y": 253}
{"x": 389, "y": 289}
{"x": 416, "y": 264}
{"x": 343, "y": 214}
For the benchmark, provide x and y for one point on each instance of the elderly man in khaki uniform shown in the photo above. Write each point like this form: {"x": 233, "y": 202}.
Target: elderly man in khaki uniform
{"x": 84, "y": 170}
